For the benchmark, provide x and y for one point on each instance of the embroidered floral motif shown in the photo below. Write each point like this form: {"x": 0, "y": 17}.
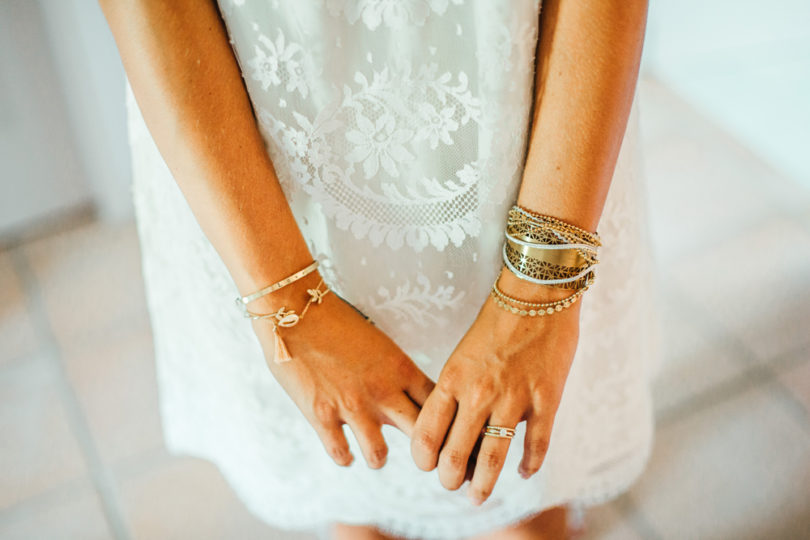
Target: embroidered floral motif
{"x": 437, "y": 124}
{"x": 391, "y": 207}
{"x": 417, "y": 303}
{"x": 379, "y": 142}
{"x": 276, "y": 62}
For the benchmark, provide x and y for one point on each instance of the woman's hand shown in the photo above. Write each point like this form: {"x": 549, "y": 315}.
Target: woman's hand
{"x": 343, "y": 370}
{"x": 507, "y": 368}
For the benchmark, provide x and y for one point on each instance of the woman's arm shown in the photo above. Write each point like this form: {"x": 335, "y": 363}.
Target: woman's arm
{"x": 588, "y": 58}
{"x": 509, "y": 368}
{"x": 189, "y": 88}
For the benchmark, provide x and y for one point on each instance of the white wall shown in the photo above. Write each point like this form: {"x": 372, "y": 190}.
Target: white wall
{"x": 40, "y": 168}
{"x": 63, "y": 138}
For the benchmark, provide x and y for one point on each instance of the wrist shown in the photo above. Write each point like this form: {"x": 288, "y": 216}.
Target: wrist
{"x": 292, "y": 296}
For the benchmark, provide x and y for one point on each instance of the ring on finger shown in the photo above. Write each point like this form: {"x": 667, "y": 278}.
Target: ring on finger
{"x": 498, "y": 431}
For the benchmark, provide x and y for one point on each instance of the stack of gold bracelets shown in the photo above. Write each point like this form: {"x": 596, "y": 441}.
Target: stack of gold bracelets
{"x": 283, "y": 317}
{"x": 547, "y": 251}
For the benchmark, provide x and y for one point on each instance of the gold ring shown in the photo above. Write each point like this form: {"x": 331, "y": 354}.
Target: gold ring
{"x": 499, "y": 431}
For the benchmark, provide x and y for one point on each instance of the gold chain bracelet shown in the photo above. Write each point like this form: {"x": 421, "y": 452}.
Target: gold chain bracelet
{"x": 286, "y": 318}
{"x": 534, "y": 309}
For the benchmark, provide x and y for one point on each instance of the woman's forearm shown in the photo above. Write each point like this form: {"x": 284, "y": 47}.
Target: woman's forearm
{"x": 588, "y": 59}
{"x": 189, "y": 88}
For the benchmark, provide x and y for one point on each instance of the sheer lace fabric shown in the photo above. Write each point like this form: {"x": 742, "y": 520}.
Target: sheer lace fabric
{"x": 398, "y": 131}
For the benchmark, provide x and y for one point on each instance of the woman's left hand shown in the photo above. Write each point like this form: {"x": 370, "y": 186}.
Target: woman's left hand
{"x": 507, "y": 368}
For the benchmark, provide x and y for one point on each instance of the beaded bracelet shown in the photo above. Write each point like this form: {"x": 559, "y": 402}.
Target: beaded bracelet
{"x": 533, "y": 309}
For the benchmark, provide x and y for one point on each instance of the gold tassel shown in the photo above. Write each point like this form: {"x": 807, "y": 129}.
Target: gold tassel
{"x": 281, "y": 353}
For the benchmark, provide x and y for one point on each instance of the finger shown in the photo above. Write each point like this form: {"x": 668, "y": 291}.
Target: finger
{"x": 369, "y": 436}
{"x": 334, "y": 441}
{"x": 431, "y": 427}
{"x": 535, "y": 444}
{"x": 401, "y": 414}
{"x": 455, "y": 453}
{"x": 491, "y": 457}
{"x": 473, "y": 458}
{"x": 419, "y": 387}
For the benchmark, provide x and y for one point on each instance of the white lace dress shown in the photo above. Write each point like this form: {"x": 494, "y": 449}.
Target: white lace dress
{"x": 398, "y": 130}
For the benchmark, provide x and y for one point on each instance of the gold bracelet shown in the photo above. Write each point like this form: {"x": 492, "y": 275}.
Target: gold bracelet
{"x": 544, "y": 273}
{"x": 286, "y": 318}
{"x": 533, "y": 309}
{"x": 518, "y": 211}
{"x": 242, "y": 301}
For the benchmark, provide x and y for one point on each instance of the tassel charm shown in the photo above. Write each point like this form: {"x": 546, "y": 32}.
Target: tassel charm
{"x": 281, "y": 354}
{"x": 285, "y": 318}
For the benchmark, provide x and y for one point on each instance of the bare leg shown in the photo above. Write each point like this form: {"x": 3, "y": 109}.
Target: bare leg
{"x": 343, "y": 531}
{"x": 549, "y": 525}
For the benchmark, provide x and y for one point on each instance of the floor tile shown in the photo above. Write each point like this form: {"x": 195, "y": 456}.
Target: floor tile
{"x": 115, "y": 382}
{"x": 188, "y": 498}
{"x": 90, "y": 279}
{"x": 694, "y": 361}
{"x": 702, "y": 185}
{"x": 17, "y": 333}
{"x": 69, "y": 514}
{"x": 37, "y": 448}
{"x": 755, "y": 286}
{"x": 796, "y": 378}
{"x": 737, "y": 470}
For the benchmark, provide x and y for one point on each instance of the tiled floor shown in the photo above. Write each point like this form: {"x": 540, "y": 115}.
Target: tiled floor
{"x": 82, "y": 455}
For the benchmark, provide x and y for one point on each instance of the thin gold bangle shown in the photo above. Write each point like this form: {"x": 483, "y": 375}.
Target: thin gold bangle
{"x": 242, "y": 301}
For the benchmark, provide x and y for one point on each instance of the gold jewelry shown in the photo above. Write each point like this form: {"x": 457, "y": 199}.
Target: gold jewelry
{"x": 286, "y": 318}
{"x": 242, "y": 301}
{"x": 543, "y": 273}
{"x": 499, "y": 431}
{"x": 532, "y": 309}
{"x": 517, "y": 211}
{"x": 548, "y": 251}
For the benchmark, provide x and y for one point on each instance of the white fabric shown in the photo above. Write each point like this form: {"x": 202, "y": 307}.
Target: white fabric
{"x": 398, "y": 130}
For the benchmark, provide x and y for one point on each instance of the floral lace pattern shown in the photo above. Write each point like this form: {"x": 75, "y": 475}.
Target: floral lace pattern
{"x": 398, "y": 132}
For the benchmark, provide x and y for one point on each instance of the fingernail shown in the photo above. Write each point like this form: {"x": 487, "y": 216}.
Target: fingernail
{"x": 474, "y": 497}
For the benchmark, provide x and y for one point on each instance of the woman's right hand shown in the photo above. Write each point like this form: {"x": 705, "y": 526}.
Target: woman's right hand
{"x": 343, "y": 370}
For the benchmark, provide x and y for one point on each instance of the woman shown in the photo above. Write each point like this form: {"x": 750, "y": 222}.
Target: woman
{"x": 386, "y": 141}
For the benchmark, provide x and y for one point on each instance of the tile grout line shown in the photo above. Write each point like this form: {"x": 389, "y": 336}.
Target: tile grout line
{"x": 99, "y": 474}
{"x": 704, "y": 246}
{"x": 755, "y": 371}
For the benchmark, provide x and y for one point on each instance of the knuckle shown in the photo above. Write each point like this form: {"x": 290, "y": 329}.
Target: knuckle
{"x": 378, "y": 455}
{"x": 339, "y": 454}
{"x": 539, "y": 398}
{"x": 538, "y": 447}
{"x": 449, "y": 378}
{"x": 324, "y": 411}
{"x": 403, "y": 367}
{"x": 425, "y": 441}
{"x": 352, "y": 402}
{"x": 482, "y": 492}
{"x": 482, "y": 390}
{"x": 453, "y": 459}
{"x": 491, "y": 460}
